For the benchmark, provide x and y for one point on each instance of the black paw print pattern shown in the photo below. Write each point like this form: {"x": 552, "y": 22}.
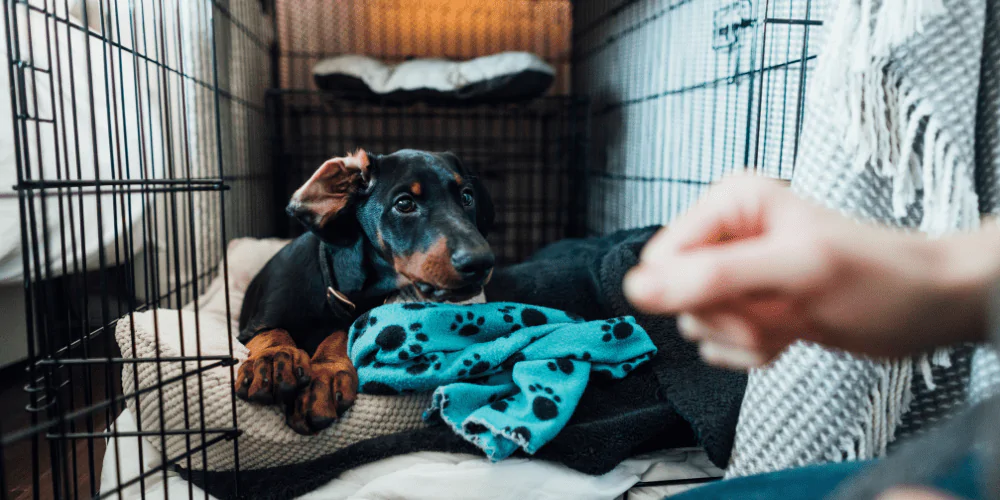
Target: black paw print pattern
{"x": 616, "y": 328}
{"x": 501, "y": 404}
{"x": 620, "y": 370}
{"x": 526, "y": 317}
{"x": 544, "y": 402}
{"x": 408, "y": 341}
{"x": 521, "y": 433}
{"x": 474, "y": 366}
{"x": 468, "y": 324}
{"x": 474, "y": 428}
{"x": 360, "y": 326}
{"x": 631, "y": 364}
{"x": 423, "y": 363}
{"x": 562, "y": 364}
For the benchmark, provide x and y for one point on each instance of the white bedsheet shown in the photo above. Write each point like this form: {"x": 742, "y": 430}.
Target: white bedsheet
{"x": 430, "y": 476}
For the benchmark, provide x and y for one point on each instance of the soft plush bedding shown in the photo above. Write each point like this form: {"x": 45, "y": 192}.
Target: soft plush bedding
{"x": 497, "y": 78}
{"x": 428, "y": 476}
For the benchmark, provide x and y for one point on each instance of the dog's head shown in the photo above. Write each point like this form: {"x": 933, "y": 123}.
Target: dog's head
{"x": 425, "y": 213}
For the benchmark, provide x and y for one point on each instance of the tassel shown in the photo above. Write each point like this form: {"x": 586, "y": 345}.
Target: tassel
{"x": 883, "y": 118}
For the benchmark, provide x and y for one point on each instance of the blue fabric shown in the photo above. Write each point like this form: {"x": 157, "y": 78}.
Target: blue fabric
{"x": 504, "y": 375}
{"x": 819, "y": 481}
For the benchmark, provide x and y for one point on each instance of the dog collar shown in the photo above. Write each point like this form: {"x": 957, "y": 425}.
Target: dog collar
{"x": 332, "y": 294}
{"x": 342, "y": 306}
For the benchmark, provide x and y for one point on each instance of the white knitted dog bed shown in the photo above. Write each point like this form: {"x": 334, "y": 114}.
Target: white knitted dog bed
{"x": 266, "y": 441}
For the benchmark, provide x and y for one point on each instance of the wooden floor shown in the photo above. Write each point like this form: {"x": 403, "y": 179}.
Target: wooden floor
{"x": 26, "y": 462}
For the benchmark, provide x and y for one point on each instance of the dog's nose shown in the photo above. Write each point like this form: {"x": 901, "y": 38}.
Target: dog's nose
{"x": 473, "y": 263}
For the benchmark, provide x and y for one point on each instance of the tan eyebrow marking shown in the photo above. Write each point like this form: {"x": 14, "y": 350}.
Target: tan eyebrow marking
{"x": 416, "y": 188}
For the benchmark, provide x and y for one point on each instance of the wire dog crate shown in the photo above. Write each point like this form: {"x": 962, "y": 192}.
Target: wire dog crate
{"x": 146, "y": 134}
{"x": 685, "y": 91}
{"x": 131, "y": 129}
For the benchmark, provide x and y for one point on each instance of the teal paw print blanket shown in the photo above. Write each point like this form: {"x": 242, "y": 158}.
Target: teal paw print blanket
{"x": 504, "y": 375}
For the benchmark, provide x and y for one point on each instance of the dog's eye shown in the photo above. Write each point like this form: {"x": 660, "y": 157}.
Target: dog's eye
{"x": 467, "y": 198}
{"x": 405, "y": 205}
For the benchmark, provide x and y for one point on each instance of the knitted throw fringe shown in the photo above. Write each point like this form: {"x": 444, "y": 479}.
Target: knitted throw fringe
{"x": 887, "y": 123}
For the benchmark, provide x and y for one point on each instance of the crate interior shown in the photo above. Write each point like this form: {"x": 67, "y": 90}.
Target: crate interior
{"x": 189, "y": 123}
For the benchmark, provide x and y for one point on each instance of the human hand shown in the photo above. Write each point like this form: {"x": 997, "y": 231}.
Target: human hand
{"x": 752, "y": 268}
{"x": 910, "y": 493}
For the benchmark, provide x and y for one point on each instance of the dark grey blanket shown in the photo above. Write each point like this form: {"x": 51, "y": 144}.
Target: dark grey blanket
{"x": 675, "y": 400}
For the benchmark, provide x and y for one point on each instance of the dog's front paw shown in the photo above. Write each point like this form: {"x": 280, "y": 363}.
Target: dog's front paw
{"x": 273, "y": 374}
{"x": 331, "y": 391}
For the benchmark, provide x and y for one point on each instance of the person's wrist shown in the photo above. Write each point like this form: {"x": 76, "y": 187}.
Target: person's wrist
{"x": 968, "y": 269}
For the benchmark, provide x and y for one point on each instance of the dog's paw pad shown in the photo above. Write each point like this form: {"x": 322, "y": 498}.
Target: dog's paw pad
{"x": 272, "y": 374}
{"x": 330, "y": 394}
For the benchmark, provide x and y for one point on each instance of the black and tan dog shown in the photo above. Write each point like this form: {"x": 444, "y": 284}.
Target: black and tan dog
{"x": 377, "y": 224}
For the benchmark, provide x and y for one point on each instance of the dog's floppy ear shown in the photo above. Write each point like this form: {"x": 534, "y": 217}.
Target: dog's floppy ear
{"x": 331, "y": 189}
{"x": 485, "y": 213}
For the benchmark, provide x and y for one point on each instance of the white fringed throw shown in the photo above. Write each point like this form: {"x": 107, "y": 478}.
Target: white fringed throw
{"x": 901, "y": 127}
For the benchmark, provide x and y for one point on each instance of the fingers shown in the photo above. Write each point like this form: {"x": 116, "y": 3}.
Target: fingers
{"x": 913, "y": 493}
{"x": 722, "y": 328}
{"x": 725, "y": 341}
{"x": 730, "y": 357}
{"x": 686, "y": 267}
{"x": 726, "y": 263}
{"x": 744, "y": 334}
{"x": 695, "y": 280}
{"x": 733, "y": 209}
